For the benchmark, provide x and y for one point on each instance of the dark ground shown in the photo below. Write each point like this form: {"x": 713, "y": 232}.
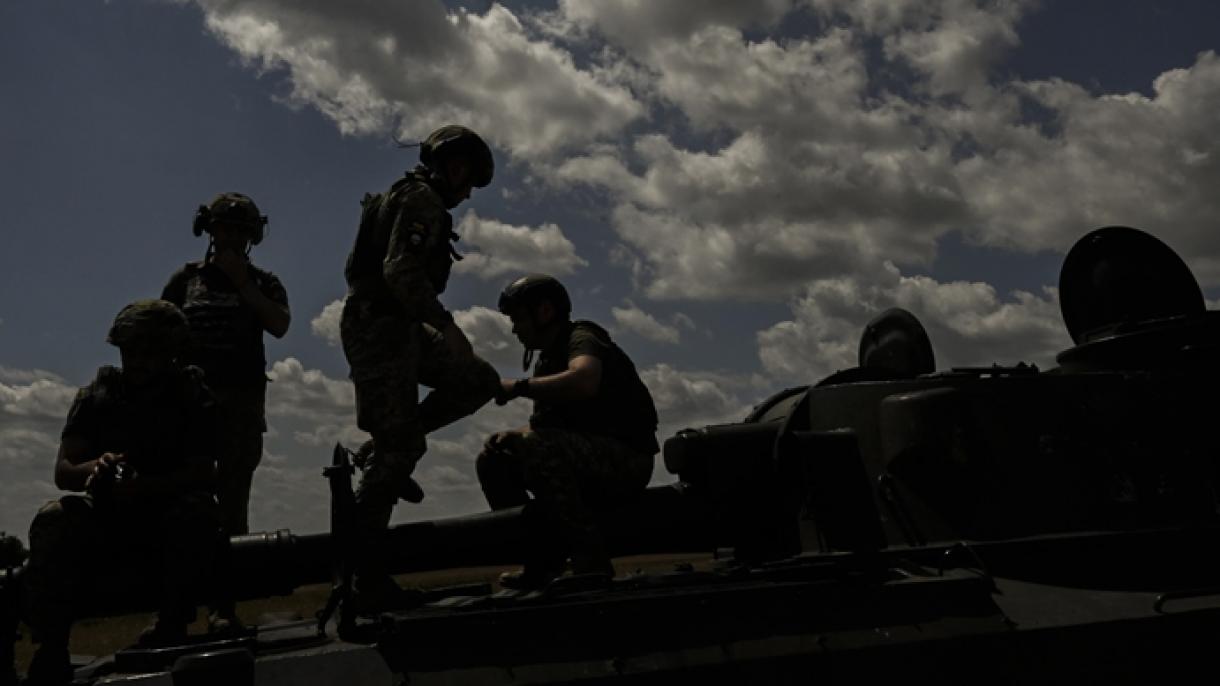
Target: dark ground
{"x": 102, "y": 636}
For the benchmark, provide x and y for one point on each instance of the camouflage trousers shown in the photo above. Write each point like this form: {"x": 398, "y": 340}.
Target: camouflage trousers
{"x": 569, "y": 475}
{"x": 389, "y": 357}
{"x": 74, "y": 543}
{"x": 241, "y": 423}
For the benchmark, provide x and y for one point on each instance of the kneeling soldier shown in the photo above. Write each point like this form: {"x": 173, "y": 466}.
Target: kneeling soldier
{"x": 590, "y": 442}
{"x": 138, "y": 443}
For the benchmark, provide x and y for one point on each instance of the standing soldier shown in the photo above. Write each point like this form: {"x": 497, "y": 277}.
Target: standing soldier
{"x": 396, "y": 335}
{"x": 229, "y": 303}
{"x": 590, "y": 441}
{"x": 138, "y": 442}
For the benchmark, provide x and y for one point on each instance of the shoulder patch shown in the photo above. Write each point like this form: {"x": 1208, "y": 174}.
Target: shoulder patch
{"x": 417, "y": 234}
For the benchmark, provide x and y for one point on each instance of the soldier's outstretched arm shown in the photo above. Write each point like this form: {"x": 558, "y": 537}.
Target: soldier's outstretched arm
{"x": 580, "y": 380}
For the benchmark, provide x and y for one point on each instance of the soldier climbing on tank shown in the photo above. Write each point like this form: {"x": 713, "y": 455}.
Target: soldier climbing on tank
{"x": 396, "y": 334}
{"x": 590, "y": 442}
{"x": 229, "y": 303}
{"x": 138, "y": 446}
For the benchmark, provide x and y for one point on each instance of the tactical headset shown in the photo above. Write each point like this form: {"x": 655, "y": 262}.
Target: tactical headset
{"x": 206, "y": 216}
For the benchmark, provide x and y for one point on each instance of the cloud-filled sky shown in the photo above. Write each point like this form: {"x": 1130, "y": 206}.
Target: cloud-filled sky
{"x": 732, "y": 187}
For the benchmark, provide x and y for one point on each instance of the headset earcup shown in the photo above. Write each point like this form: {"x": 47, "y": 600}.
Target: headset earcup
{"x": 203, "y": 217}
{"x": 260, "y": 231}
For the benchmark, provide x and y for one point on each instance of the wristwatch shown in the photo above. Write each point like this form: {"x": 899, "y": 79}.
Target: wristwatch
{"x": 521, "y": 389}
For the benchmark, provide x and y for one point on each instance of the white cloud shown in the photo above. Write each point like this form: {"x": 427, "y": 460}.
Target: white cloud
{"x": 47, "y": 397}
{"x": 326, "y": 324}
{"x": 1149, "y": 162}
{"x": 692, "y": 398}
{"x": 371, "y": 67}
{"x": 762, "y": 216}
{"x": 967, "y": 322}
{"x": 642, "y": 25}
{"x": 514, "y": 250}
{"x": 632, "y": 318}
{"x": 490, "y": 334}
{"x": 33, "y": 407}
{"x": 8, "y": 375}
{"x": 309, "y": 394}
{"x": 817, "y": 155}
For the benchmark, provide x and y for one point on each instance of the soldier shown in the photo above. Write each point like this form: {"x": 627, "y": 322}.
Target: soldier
{"x": 138, "y": 442}
{"x": 229, "y": 303}
{"x": 590, "y": 440}
{"x": 396, "y": 334}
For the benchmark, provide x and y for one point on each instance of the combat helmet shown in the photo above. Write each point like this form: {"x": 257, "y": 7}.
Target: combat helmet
{"x": 454, "y": 140}
{"x": 532, "y": 288}
{"x": 236, "y": 209}
{"x": 150, "y": 322}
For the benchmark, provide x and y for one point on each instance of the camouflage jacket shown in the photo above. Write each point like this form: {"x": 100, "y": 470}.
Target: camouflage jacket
{"x": 226, "y": 335}
{"x": 404, "y": 251}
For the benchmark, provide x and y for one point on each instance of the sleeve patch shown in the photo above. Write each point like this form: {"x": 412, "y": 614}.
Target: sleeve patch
{"x": 417, "y": 234}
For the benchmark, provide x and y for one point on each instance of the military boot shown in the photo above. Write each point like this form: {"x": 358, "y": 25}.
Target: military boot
{"x": 223, "y": 621}
{"x": 389, "y": 470}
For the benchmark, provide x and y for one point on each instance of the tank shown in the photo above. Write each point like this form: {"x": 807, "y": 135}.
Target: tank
{"x": 1002, "y": 524}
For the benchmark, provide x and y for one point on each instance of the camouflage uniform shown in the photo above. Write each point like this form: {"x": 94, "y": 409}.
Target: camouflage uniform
{"x": 227, "y": 343}
{"x": 391, "y": 330}
{"x": 577, "y": 456}
{"x": 161, "y": 432}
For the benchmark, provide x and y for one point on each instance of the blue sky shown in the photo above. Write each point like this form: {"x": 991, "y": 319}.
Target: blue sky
{"x": 733, "y": 187}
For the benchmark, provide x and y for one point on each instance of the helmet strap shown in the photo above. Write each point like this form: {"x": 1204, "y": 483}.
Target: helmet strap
{"x": 212, "y": 248}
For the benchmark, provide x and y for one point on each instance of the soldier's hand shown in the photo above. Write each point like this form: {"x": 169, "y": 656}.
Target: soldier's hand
{"x": 459, "y": 346}
{"x": 104, "y": 469}
{"x": 234, "y": 265}
{"x": 109, "y": 462}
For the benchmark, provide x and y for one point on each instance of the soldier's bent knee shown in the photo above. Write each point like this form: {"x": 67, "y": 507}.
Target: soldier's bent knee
{"x": 56, "y": 514}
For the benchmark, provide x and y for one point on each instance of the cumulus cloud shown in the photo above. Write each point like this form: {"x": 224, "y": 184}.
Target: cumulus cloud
{"x": 43, "y": 398}
{"x": 490, "y": 334}
{"x": 641, "y": 25}
{"x": 1150, "y": 162}
{"x": 632, "y": 318}
{"x": 505, "y": 249}
{"x": 326, "y": 324}
{"x": 372, "y": 67}
{"x": 9, "y": 375}
{"x": 829, "y": 169}
{"x": 818, "y": 154}
{"x": 763, "y": 216}
{"x": 952, "y": 43}
{"x": 968, "y": 323}
{"x": 695, "y": 398}
{"x": 33, "y": 406}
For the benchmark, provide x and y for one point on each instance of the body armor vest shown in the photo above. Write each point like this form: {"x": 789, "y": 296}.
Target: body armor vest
{"x": 363, "y": 270}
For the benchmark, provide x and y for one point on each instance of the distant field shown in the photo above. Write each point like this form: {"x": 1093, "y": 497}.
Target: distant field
{"x": 107, "y": 635}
